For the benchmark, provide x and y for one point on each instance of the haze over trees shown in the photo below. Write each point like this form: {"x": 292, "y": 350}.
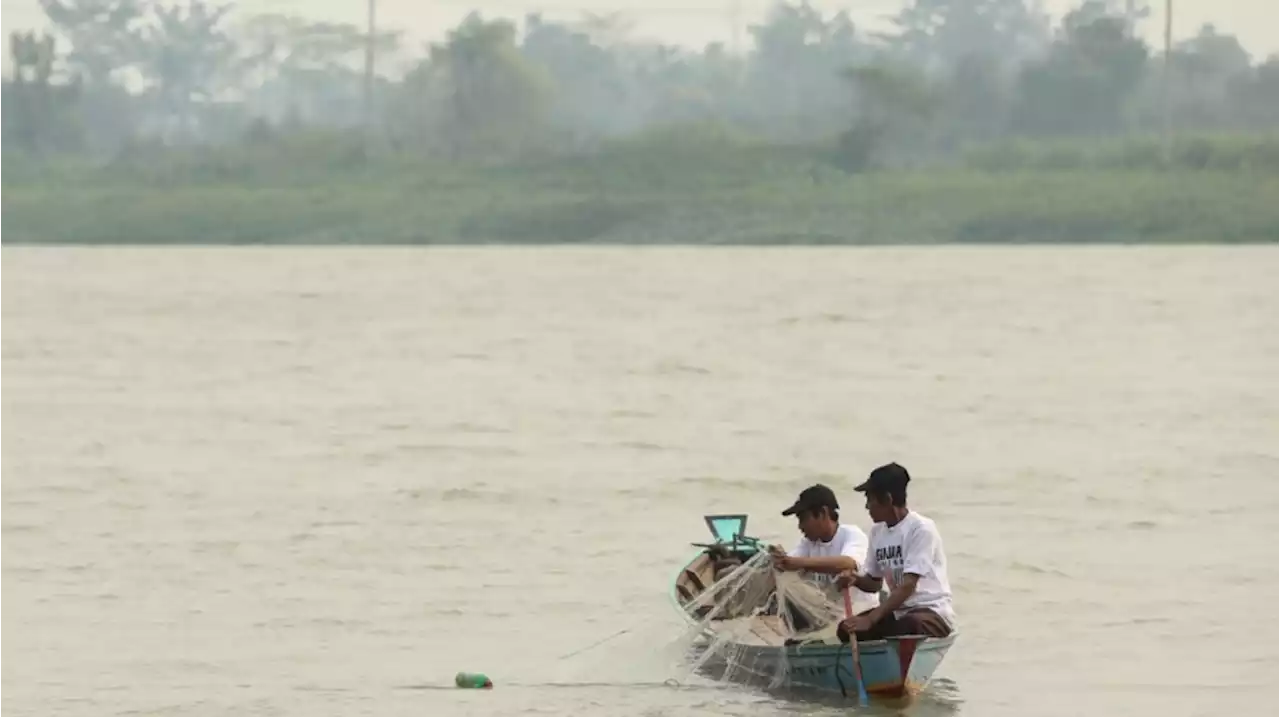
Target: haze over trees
{"x": 588, "y": 126}
{"x": 951, "y": 72}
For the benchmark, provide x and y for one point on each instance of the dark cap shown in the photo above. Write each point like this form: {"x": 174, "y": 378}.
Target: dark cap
{"x": 885, "y": 479}
{"x": 814, "y": 497}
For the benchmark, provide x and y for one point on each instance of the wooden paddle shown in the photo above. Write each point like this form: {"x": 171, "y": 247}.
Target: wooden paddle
{"x": 853, "y": 646}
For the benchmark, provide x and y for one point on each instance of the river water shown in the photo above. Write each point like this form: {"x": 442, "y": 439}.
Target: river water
{"x": 320, "y": 481}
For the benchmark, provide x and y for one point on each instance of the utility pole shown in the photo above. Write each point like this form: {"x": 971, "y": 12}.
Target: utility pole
{"x": 1165, "y": 80}
{"x": 735, "y": 27}
{"x": 368, "y": 70}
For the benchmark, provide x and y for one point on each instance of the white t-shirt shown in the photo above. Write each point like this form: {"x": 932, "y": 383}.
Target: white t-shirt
{"x": 849, "y": 540}
{"x": 912, "y": 546}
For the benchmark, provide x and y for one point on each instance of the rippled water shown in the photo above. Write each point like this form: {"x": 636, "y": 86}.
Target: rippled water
{"x": 303, "y": 482}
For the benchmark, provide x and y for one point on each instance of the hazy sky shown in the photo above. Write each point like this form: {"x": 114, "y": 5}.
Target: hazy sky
{"x": 696, "y": 22}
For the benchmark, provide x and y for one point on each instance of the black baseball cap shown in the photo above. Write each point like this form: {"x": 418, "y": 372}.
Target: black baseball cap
{"x": 885, "y": 479}
{"x": 814, "y": 497}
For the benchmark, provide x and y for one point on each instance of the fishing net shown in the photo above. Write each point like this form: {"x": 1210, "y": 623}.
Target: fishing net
{"x": 740, "y": 621}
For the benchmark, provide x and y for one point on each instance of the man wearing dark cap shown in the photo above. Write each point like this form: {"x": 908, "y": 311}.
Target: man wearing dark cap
{"x": 828, "y": 548}
{"x": 906, "y": 556}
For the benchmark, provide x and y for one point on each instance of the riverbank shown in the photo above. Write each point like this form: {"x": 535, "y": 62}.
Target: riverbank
{"x": 754, "y": 195}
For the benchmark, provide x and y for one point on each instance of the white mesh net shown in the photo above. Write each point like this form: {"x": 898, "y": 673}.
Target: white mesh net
{"x": 739, "y": 621}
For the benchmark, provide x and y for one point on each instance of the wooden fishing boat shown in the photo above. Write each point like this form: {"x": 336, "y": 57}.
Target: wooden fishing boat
{"x": 764, "y": 650}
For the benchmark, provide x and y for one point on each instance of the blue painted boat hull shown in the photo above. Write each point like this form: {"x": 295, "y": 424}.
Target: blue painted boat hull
{"x": 890, "y": 668}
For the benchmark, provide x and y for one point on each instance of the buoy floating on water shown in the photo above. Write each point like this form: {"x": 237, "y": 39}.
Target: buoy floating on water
{"x": 473, "y": 681}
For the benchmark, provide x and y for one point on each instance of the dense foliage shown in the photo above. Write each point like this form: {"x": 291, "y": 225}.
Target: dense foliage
{"x": 137, "y": 118}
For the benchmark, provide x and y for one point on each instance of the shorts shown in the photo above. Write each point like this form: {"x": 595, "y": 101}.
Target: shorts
{"x": 917, "y": 621}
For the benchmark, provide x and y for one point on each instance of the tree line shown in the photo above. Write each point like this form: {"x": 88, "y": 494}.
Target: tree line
{"x": 118, "y": 74}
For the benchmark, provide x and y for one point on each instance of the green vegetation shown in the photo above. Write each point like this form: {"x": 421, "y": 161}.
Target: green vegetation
{"x": 655, "y": 190}
{"x": 178, "y": 121}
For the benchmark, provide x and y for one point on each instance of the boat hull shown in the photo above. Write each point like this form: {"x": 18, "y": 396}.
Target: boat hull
{"x": 890, "y": 668}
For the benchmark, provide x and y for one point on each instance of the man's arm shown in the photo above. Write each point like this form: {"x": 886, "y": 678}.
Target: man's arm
{"x": 899, "y": 595}
{"x": 852, "y": 552}
{"x": 831, "y": 565}
{"x": 782, "y": 560}
{"x": 896, "y": 598}
{"x": 865, "y": 583}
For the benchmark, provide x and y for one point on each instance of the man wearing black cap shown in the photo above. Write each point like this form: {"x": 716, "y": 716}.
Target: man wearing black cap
{"x": 906, "y": 555}
{"x": 828, "y": 548}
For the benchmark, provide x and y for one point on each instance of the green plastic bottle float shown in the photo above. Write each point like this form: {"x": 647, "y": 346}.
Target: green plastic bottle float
{"x": 473, "y": 681}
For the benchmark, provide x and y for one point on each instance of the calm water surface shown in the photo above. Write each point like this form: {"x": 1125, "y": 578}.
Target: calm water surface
{"x": 320, "y": 481}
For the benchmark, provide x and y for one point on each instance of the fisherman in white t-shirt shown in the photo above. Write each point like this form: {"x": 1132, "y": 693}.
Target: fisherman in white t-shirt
{"x": 906, "y": 556}
{"x": 828, "y": 547}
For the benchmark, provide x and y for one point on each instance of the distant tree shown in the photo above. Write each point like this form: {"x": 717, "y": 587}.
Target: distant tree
{"x": 314, "y": 70}
{"x": 793, "y": 83}
{"x": 1202, "y": 69}
{"x": 1086, "y": 83}
{"x": 188, "y": 58}
{"x": 38, "y": 112}
{"x": 597, "y": 94}
{"x": 104, "y": 35}
{"x": 1252, "y": 96}
{"x": 975, "y": 98}
{"x": 894, "y": 106}
{"x": 495, "y": 100}
{"x": 937, "y": 34}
